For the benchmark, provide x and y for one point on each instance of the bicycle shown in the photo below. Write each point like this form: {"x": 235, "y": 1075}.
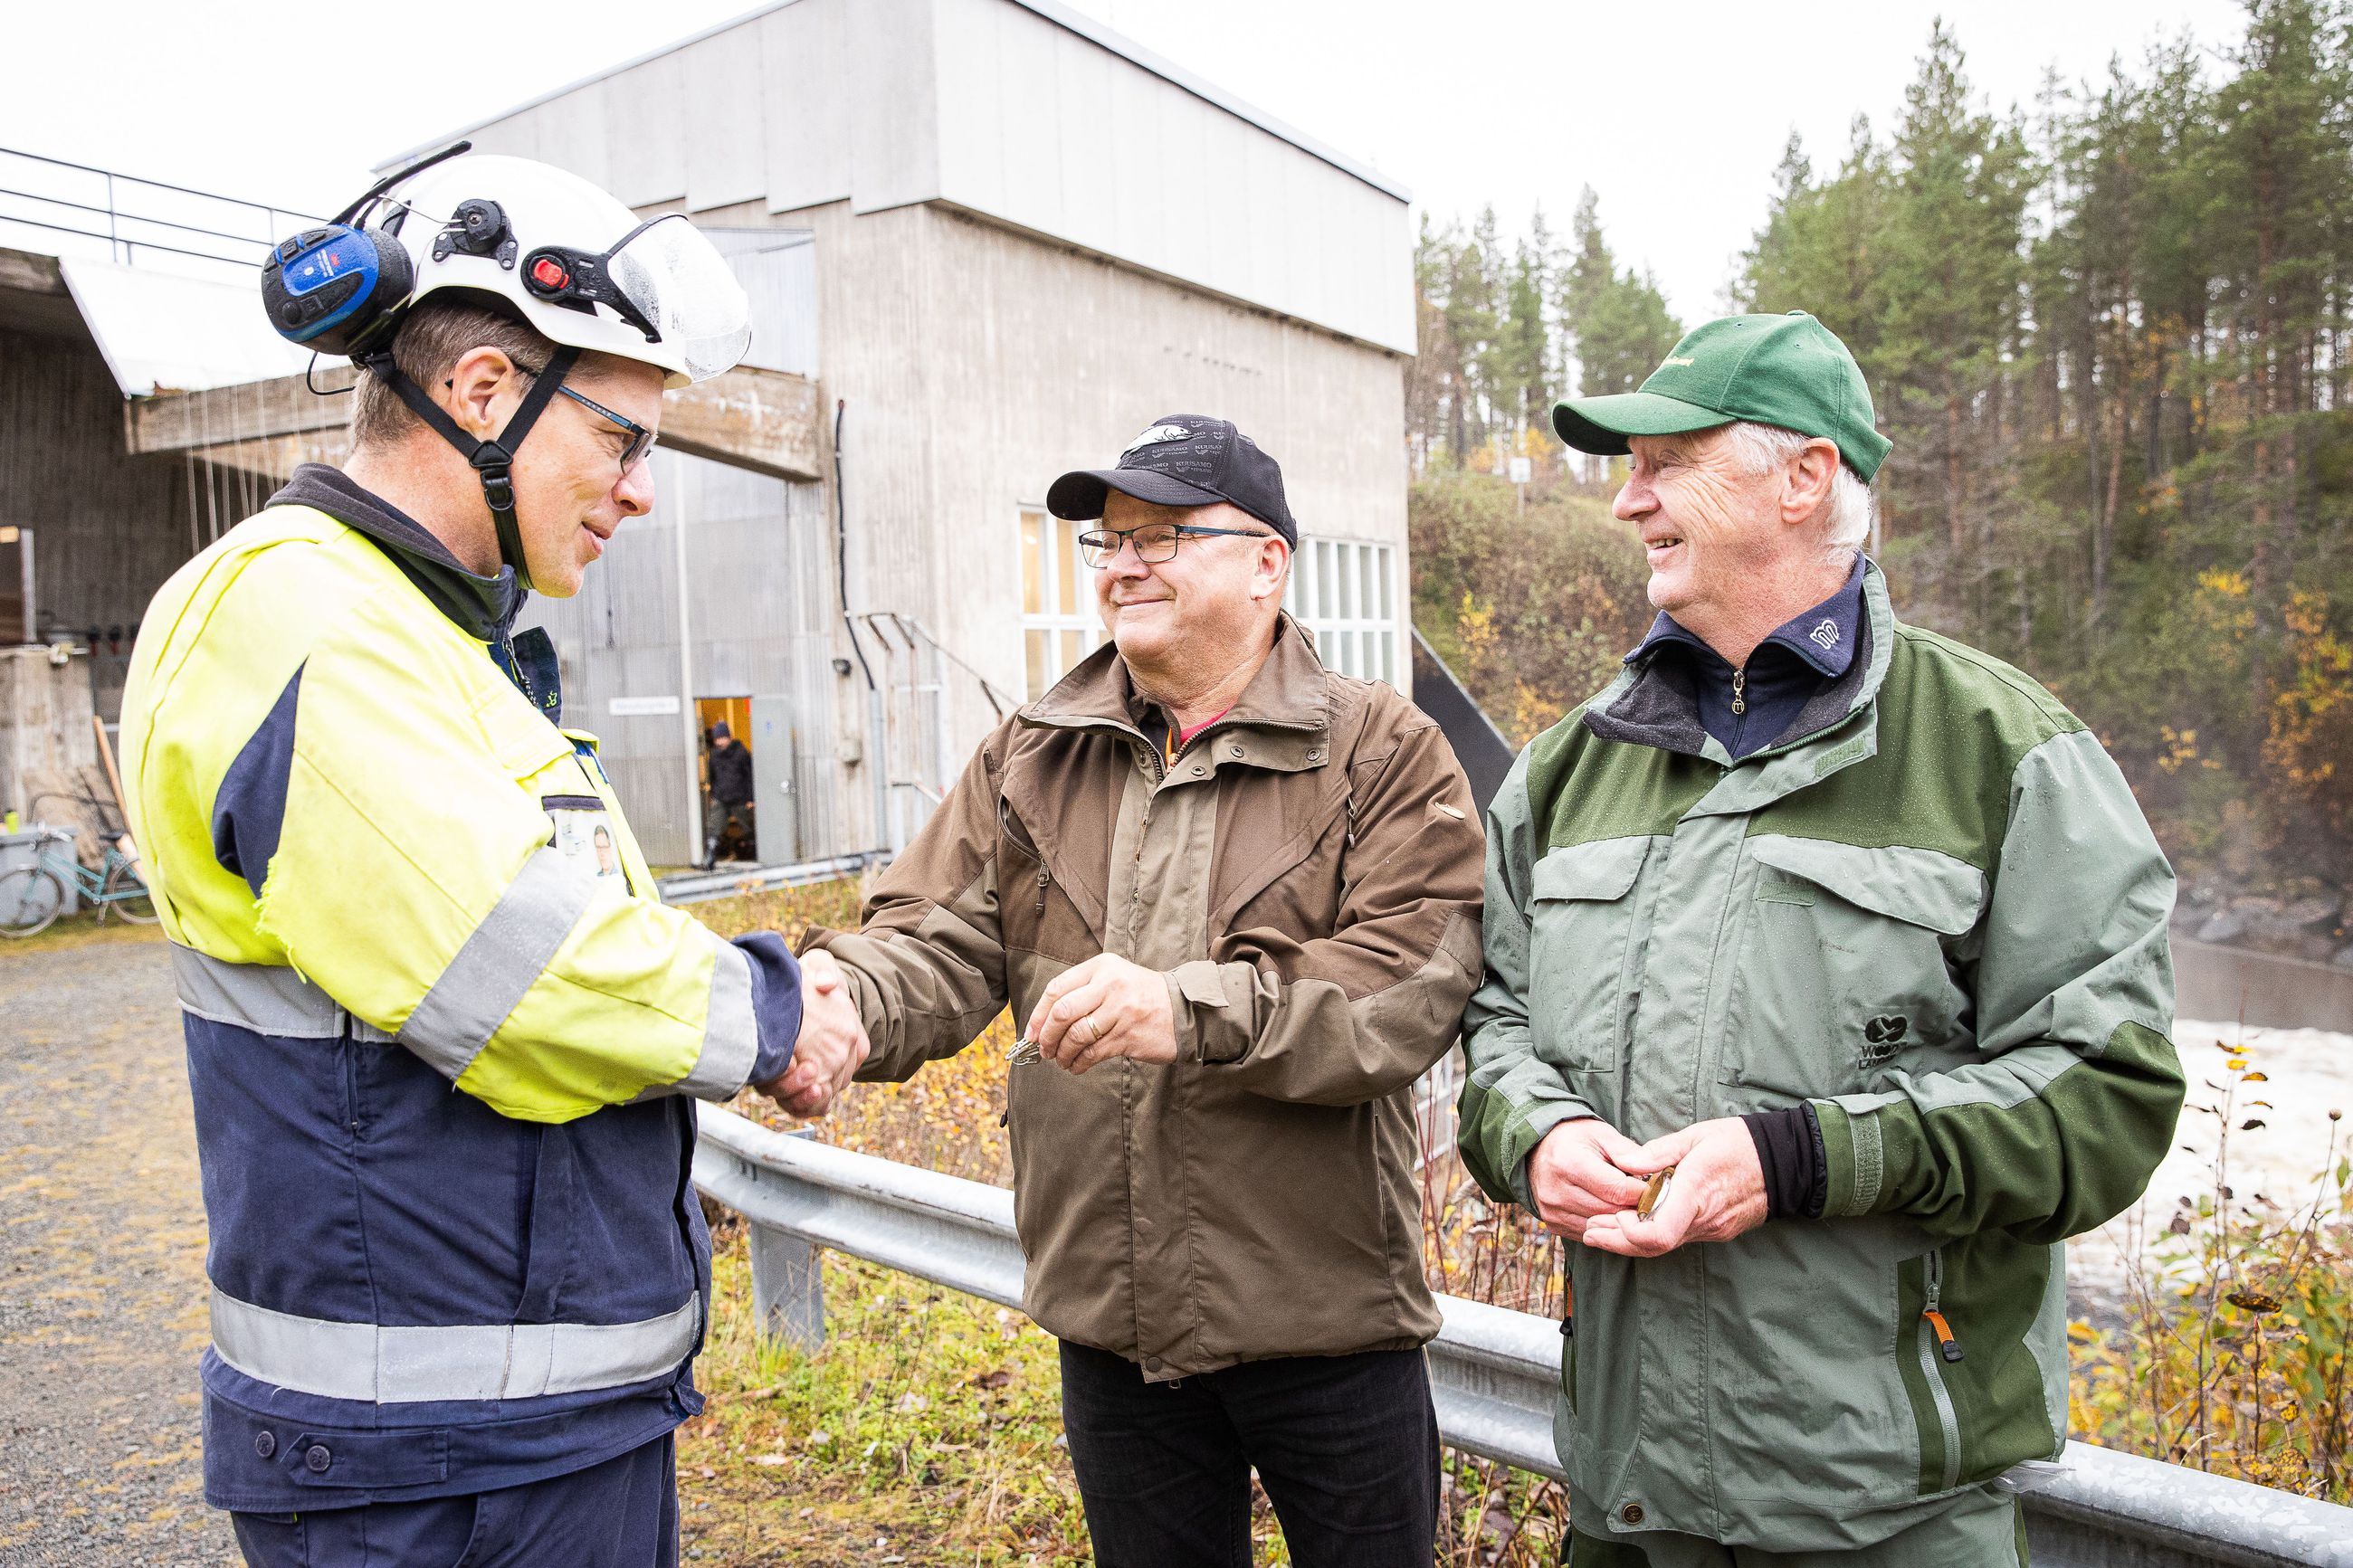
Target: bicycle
{"x": 31, "y": 897}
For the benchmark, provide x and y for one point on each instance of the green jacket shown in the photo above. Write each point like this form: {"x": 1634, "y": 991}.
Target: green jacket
{"x": 1936, "y": 914}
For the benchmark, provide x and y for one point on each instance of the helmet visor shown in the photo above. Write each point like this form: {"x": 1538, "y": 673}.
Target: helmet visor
{"x": 683, "y": 292}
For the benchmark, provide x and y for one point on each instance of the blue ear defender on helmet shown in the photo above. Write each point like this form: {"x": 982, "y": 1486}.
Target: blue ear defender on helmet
{"x": 325, "y": 288}
{"x": 339, "y": 289}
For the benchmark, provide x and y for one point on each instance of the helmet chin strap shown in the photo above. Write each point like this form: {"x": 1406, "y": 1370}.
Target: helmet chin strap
{"x": 492, "y": 460}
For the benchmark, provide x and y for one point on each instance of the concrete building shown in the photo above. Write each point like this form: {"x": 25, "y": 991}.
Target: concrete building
{"x": 987, "y": 241}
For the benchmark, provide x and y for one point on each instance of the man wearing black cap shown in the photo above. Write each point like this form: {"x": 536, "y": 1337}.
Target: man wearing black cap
{"x": 1233, "y": 897}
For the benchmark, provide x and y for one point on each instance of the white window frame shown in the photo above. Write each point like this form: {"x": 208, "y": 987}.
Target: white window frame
{"x": 1365, "y": 639}
{"x": 1045, "y": 642}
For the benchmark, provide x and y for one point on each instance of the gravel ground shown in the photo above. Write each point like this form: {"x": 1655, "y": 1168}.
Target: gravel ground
{"x": 102, "y": 1266}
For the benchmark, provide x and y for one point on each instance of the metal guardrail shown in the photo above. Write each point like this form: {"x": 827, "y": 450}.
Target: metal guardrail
{"x": 1494, "y": 1372}
{"x": 729, "y": 881}
{"x": 130, "y": 214}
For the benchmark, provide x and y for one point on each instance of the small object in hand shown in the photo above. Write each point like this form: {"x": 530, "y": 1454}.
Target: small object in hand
{"x": 1025, "y": 1050}
{"x": 1654, "y": 1193}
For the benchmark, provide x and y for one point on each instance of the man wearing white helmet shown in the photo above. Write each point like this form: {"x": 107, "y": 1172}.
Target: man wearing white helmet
{"x": 449, "y": 1324}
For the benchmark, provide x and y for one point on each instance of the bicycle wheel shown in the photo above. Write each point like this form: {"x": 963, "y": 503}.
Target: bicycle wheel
{"x": 126, "y": 895}
{"x": 30, "y": 897}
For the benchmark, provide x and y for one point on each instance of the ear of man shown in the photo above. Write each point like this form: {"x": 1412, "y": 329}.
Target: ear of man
{"x": 437, "y": 332}
{"x": 1808, "y": 480}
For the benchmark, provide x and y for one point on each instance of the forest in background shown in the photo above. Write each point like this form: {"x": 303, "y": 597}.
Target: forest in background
{"x": 2108, "y": 334}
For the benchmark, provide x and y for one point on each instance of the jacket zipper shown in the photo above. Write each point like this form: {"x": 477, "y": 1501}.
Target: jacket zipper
{"x": 1005, "y": 820}
{"x": 1938, "y": 1344}
{"x": 1568, "y": 1331}
{"x": 1740, "y": 691}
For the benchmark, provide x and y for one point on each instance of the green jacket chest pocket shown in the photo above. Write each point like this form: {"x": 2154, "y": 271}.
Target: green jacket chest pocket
{"x": 1848, "y": 970}
{"x": 1581, "y": 953}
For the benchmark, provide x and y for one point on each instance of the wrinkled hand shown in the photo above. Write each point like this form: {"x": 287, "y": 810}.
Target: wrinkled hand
{"x": 832, "y": 1044}
{"x": 1718, "y": 1191}
{"x": 1575, "y": 1173}
{"x": 1102, "y": 1008}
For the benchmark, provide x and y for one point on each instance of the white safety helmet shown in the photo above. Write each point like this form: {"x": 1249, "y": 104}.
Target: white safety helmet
{"x": 569, "y": 258}
{"x": 580, "y": 268}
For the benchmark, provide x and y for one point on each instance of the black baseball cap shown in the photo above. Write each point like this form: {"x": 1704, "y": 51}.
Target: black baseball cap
{"x": 1183, "y": 459}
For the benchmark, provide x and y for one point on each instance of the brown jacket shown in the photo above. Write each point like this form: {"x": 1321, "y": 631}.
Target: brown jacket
{"x": 1307, "y": 874}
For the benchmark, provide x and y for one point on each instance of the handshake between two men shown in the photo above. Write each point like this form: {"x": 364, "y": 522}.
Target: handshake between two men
{"x": 1104, "y": 1007}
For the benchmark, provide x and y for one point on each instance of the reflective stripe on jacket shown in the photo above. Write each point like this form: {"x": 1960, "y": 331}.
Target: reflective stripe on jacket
{"x": 386, "y": 873}
{"x": 1305, "y": 874}
{"x": 1934, "y": 912}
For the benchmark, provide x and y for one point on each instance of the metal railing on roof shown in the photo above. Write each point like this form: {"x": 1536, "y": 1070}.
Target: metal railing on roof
{"x": 130, "y": 214}
{"x": 1494, "y": 1372}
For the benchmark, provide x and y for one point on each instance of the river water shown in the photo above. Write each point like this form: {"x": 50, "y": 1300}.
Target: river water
{"x": 2306, "y": 1074}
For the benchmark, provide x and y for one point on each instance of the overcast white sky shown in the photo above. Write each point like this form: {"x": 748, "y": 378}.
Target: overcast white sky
{"x": 1674, "y": 111}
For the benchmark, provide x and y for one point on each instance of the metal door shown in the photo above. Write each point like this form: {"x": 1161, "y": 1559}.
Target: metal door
{"x": 775, "y": 804}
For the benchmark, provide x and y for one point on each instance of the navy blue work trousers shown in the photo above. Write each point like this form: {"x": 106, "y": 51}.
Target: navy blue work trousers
{"x": 622, "y": 1513}
{"x": 1347, "y": 1447}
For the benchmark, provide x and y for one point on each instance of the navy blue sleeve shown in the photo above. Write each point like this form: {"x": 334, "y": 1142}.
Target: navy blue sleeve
{"x": 776, "y": 1001}
{"x": 250, "y": 808}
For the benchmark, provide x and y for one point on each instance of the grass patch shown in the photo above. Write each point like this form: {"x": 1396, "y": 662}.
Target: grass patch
{"x": 2235, "y": 1354}
{"x": 927, "y": 1430}
{"x": 791, "y": 911}
{"x": 82, "y": 928}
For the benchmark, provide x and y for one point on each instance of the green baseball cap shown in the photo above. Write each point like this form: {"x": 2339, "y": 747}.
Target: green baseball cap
{"x": 1789, "y": 370}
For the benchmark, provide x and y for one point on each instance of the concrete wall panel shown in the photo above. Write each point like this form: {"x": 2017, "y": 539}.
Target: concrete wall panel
{"x": 892, "y": 90}
{"x": 805, "y": 115}
{"x": 645, "y": 132}
{"x": 1234, "y": 201}
{"x": 726, "y": 155}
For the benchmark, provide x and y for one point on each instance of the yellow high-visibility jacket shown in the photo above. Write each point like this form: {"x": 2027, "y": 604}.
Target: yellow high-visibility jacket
{"x": 384, "y": 871}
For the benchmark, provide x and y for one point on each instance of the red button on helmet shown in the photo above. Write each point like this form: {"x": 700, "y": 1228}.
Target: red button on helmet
{"x": 547, "y": 274}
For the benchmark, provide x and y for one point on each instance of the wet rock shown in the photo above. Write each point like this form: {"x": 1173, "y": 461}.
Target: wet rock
{"x": 2316, "y": 913}
{"x": 2224, "y": 926}
{"x": 2270, "y": 924}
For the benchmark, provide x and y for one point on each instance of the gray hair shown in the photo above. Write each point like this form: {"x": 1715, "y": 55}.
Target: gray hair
{"x": 1764, "y": 448}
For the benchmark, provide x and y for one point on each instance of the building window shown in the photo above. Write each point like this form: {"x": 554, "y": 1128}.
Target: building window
{"x": 1346, "y": 593}
{"x": 1059, "y": 627}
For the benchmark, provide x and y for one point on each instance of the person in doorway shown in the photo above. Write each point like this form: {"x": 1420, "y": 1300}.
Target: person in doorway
{"x": 463, "y": 1323}
{"x": 1232, "y": 900}
{"x": 731, "y": 793}
{"x": 1828, "y": 992}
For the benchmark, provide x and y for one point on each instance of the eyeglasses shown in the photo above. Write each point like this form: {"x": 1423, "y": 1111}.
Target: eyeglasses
{"x": 641, "y": 440}
{"x": 1155, "y": 541}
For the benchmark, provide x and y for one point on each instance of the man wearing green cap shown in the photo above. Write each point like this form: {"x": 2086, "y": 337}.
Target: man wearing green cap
{"x": 1857, "y": 937}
